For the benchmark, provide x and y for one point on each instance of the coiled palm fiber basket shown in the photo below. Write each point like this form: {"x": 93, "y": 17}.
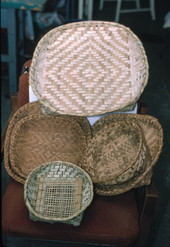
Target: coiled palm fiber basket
{"x": 139, "y": 174}
{"x": 88, "y": 68}
{"x": 34, "y": 138}
{"x": 58, "y": 191}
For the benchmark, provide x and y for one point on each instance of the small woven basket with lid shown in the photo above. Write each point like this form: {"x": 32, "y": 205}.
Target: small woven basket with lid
{"x": 88, "y": 68}
{"x": 58, "y": 192}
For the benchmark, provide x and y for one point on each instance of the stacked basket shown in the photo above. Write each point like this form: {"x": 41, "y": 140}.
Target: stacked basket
{"x": 81, "y": 70}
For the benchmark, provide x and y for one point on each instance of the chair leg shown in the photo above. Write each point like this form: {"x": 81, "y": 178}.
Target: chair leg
{"x": 101, "y": 4}
{"x": 89, "y": 9}
{"x": 118, "y": 7}
{"x": 80, "y": 9}
{"x": 138, "y": 4}
{"x": 152, "y": 7}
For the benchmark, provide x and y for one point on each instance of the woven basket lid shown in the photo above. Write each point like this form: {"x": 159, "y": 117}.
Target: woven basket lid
{"x": 29, "y": 132}
{"x": 58, "y": 191}
{"x": 116, "y": 152}
{"x": 88, "y": 68}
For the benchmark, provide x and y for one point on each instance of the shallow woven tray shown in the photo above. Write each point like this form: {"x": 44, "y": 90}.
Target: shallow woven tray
{"x": 58, "y": 191}
{"x": 88, "y": 68}
{"x": 33, "y": 111}
{"x": 116, "y": 153}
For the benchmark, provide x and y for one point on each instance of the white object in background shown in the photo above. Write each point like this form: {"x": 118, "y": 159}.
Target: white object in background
{"x": 32, "y": 96}
{"x": 29, "y": 27}
{"x": 167, "y": 20}
{"x": 91, "y": 119}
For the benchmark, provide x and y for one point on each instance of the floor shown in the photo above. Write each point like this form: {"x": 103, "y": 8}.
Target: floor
{"x": 156, "y": 95}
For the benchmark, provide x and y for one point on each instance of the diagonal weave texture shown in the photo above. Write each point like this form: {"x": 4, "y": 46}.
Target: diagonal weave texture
{"x": 88, "y": 68}
{"x": 39, "y": 139}
{"x": 58, "y": 191}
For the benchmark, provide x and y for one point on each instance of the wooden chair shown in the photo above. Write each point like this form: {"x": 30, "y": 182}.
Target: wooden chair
{"x": 122, "y": 220}
{"x": 138, "y": 8}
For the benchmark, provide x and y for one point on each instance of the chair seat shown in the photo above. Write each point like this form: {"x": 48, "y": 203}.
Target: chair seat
{"x": 119, "y": 224}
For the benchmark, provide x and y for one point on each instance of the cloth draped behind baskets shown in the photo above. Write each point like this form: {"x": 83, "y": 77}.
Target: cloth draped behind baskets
{"x": 34, "y": 138}
{"x": 88, "y": 68}
{"x": 58, "y": 191}
{"x": 122, "y": 152}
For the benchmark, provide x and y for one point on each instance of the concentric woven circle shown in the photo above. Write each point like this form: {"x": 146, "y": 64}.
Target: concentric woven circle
{"x": 88, "y": 68}
{"x": 32, "y": 130}
{"x": 58, "y": 191}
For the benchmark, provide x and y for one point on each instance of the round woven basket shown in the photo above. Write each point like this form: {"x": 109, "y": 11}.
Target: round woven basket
{"x": 151, "y": 128}
{"x": 153, "y": 136}
{"x": 88, "y": 68}
{"x": 58, "y": 191}
{"x": 116, "y": 153}
{"x": 30, "y": 140}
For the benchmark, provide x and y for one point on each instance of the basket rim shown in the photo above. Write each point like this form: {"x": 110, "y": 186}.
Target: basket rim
{"x": 85, "y": 24}
{"x": 15, "y": 118}
{"x": 48, "y": 164}
{"x": 127, "y": 186}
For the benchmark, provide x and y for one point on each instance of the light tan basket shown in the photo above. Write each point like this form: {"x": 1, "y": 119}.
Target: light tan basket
{"x": 58, "y": 191}
{"x": 117, "y": 153}
{"x": 88, "y": 68}
{"x": 30, "y": 140}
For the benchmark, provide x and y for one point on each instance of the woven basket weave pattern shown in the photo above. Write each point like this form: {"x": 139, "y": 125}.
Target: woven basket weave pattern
{"x": 88, "y": 68}
{"x": 22, "y": 152}
{"x": 58, "y": 191}
{"x": 31, "y": 108}
{"x": 152, "y": 130}
{"x": 114, "y": 151}
{"x": 135, "y": 170}
{"x": 153, "y": 141}
{"x": 116, "y": 189}
{"x": 40, "y": 139}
